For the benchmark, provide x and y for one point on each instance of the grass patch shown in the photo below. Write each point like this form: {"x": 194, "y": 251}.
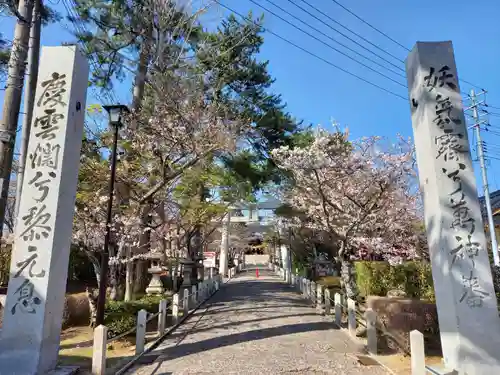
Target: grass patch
{"x": 401, "y": 364}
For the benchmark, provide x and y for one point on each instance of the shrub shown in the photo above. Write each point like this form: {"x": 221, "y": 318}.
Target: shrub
{"x": 120, "y": 316}
{"x": 377, "y": 278}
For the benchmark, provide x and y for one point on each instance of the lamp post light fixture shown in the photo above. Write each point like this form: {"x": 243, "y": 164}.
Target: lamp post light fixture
{"x": 116, "y": 114}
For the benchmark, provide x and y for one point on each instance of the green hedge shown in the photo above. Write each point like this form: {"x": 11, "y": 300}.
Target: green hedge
{"x": 121, "y": 316}
{"x": 377, "y": 278}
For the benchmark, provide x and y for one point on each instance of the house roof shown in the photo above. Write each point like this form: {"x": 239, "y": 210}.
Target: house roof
{"x": 495, "y": 207}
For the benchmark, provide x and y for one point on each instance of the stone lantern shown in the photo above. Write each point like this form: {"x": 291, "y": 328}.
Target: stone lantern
{"x": 155, "y": 286}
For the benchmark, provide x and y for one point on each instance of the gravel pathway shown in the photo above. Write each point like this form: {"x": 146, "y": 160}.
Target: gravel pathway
{"x": 257, "y": 326}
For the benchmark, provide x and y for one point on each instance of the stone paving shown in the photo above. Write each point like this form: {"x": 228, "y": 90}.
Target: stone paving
{"x": 257, "y": 326}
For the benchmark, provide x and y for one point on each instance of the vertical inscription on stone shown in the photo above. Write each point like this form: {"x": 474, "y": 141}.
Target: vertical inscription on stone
{"x": 36, "y": 222}
{"x": 465, "y": 297}
{"x": 450, "y": 146}
{"x": 30, "y": 335}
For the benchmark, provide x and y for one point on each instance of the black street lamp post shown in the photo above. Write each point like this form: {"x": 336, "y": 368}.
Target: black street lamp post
{"x": 115, "y": 113}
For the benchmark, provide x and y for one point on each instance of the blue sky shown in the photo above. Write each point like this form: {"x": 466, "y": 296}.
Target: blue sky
{"x": 318, "y": 93}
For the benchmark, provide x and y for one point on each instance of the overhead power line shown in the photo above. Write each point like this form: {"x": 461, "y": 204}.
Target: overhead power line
{"x": 341, "y": 25}
{"x": 387, "y": 36}
{"x": 313, "y": 54}
{"x": 326, "y": 44}
{"x": 370, "y": 25}
{"x": 336, "y": 41}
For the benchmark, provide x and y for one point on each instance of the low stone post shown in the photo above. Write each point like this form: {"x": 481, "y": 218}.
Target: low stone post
{"x": 162, "y": 317}
{"x": 351, "y": 316}
{"x": 338, "y": 309}
{"x": 140, "y": 333}
{"x": 175, "y": 308}
{"x": 185, "y": 304}
{"x": 327, "y": 301}
{"x": 371, "y": 330}
{"x": 99, "y": 350}
{"x": 194, "y": 296}
{"x": 417, "y": 351}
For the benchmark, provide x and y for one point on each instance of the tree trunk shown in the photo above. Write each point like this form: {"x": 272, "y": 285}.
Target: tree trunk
{"x": 139, "y": 282}
{"x": 97, "y": 269}
{"x": 92, "y": 298}
{"x": 113, "y": 282}
{"x": 174, "y": 276}
{"x": 140, "y": 76}
{"x": 12, "y": 100}
{"x": 348, "y": 276}
{"x": 29, "y": 98}
{"x": 129, "y": 277}
{"x": 141, "y": 274}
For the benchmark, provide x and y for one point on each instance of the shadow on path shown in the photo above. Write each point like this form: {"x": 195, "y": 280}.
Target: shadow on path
{"x": 233, "y": 339}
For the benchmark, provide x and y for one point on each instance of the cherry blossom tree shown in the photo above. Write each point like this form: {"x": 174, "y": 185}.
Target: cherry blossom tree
{"x": 359, "y": 195}
{"x": 178, "y": 131}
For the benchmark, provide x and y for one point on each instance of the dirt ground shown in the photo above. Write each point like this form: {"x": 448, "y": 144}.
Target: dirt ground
{"x": 401, "y": 365}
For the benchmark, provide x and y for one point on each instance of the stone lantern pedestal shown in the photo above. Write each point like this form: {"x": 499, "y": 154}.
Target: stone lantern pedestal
{"x": 155, "y": 285}
{"x": 187, "y": 272}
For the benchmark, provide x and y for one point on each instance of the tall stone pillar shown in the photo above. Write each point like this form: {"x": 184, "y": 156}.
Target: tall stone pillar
{"x": 277, "y": 255}
{"x": 224, "y": 245}
{"x": 467, "y": 309}
{"x": 33, "y": 313}
{"x": 284, "y": 252}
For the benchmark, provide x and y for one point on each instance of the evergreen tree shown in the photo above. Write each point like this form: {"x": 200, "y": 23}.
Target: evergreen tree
{"x": 237, "y": 78}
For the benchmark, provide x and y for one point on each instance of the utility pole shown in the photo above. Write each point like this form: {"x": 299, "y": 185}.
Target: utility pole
{"x": 29, "y": 98}
{"x": 480, "y": 154}
{"x": 12, "y": 100}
